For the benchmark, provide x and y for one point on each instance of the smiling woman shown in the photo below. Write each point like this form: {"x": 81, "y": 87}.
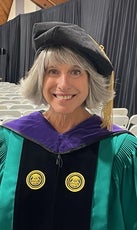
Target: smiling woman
{"x": 67, "y": 167}
{"x": 97, "y": 84}
{"x": 68, "y": 83}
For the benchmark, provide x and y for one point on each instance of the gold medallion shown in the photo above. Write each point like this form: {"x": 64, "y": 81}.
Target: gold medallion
{"x": 35, "y": 179}
{"x": 75, "y": 182}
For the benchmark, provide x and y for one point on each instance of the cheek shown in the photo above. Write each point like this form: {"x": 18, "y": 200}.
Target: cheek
{"x": 48, "y": 86}
{"x": 85, "y": 88}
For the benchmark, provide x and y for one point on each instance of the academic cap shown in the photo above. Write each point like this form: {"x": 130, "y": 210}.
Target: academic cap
{"x": 52, "y": 34}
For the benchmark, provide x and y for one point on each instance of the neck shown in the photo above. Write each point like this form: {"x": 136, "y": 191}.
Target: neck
{"x": 64, "y": 122}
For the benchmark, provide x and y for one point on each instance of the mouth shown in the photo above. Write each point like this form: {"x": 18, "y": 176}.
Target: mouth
{"x": 64, "y": 97}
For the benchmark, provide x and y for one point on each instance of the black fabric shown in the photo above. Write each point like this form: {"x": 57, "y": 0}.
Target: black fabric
{"x": 120, "y": 38}
{"x": 3, "y": 63}
{"x": 57, "y": 207}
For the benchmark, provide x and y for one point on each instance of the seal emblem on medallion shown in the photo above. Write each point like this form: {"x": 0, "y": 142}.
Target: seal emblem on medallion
{"x": 35, "y": 179}
{"x": 75, "y": 182}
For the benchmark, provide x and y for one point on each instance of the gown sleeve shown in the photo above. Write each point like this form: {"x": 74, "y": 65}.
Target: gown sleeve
{"x": 123, "y": 190}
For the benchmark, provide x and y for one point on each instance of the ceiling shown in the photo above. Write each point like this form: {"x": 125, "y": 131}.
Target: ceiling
{"x": 48, "y": 3}
{"x": 5, "y": 7}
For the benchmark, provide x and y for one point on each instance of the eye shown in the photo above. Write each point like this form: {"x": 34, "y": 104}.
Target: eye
{"x": 52, "y": 71}
{"x": 76, "y": 72}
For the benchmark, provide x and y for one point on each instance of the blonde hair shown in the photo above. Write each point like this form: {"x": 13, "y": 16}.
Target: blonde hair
{"x": 32, "y": 84}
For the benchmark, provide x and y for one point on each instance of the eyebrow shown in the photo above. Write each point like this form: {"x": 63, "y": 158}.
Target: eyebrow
{"x": 77, "y": 66}
{"x": 54, "y": 66}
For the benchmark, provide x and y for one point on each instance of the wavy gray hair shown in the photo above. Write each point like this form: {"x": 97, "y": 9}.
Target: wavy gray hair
{"x": 32, "y": 84}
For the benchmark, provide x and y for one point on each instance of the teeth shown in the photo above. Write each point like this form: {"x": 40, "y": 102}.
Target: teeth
{"x": 64, "y": 97}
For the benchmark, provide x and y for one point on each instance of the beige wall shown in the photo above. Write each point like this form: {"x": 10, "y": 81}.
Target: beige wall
{"x": 22, "y": 6}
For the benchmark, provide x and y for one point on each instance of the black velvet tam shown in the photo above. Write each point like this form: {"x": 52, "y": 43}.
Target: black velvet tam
{"x": 56, "y": 34}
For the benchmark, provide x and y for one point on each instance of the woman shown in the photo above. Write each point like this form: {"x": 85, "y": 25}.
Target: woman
{"x": 63, "y": 168}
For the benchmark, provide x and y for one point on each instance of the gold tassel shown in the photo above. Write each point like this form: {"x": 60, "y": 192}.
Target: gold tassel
{"x": 107, "y": 110}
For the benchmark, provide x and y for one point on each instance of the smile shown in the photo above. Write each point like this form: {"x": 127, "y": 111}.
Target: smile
{"x": 64, "y": 97}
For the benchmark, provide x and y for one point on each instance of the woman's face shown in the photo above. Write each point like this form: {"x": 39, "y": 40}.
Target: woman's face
{"x": 65, "y": 87}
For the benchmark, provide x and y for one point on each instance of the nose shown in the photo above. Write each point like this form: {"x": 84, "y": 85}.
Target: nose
{"x": 63, "y": 81}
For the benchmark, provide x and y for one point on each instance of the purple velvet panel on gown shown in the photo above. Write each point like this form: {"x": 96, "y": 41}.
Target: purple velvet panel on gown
{"x": 36, "y": 128}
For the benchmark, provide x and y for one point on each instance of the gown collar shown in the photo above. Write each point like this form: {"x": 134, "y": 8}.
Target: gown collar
{"x": 37, "y": 129}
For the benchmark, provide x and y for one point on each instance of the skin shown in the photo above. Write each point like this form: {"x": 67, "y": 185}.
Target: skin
{"x": 65, "y": 88}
